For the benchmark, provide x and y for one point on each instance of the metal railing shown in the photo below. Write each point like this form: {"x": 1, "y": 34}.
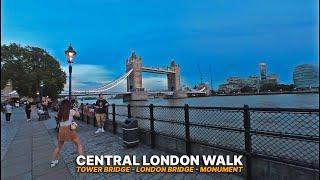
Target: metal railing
{"x": 285, "y": 135}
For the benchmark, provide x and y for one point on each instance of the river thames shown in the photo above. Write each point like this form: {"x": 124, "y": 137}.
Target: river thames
{"x": 169, "y": 121}
{"x": 270, "y": 101}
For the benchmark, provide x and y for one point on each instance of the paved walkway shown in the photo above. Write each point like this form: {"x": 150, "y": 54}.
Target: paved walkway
{"x": 28, "y": 156}
{"x": 110, "y": 144}
{"x": 8, "y": 131}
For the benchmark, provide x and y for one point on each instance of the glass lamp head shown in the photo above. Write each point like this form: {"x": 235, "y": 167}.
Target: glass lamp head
{"x": 70, "y": 54}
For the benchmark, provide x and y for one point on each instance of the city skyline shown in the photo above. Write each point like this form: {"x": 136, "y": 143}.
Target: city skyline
{"x": 231, "y": 41}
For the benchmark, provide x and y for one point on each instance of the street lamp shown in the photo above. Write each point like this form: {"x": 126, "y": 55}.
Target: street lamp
{"x": 37, "y": 96}
{"x": 41, "y": 90}
{"x": 70, "y": 54}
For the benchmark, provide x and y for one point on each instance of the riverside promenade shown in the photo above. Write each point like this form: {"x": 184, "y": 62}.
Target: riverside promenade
{"x": 28, "y": 145}
{"x": 26, "y": 148}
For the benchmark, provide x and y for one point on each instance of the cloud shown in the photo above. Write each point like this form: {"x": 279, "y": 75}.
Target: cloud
{"x": 154, "y": 83}
{"x": 88, "y": 76}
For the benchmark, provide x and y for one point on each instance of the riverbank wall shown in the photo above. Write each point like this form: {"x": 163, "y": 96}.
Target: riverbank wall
{"x": 267, "y": 93}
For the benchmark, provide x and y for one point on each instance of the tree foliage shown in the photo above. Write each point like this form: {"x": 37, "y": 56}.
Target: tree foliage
{"x": 276, "y": 87}
{"x": 247, "y": 89}
{"x": 27, "y": 67}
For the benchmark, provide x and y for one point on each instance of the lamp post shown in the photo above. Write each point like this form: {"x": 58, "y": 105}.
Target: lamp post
{"x": 41, "y": 90}
{"x": 38, "y": 97}
{"x": 70, "y": 54}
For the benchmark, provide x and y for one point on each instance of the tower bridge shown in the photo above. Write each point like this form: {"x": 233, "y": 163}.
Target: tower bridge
{"x": 157, "y": 70}
{"x": 134, "y": 80}
{"x": 133, "y": 75}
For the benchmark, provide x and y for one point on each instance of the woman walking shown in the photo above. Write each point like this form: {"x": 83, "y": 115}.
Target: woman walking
{"x": 28, "y": 110}
{"x": 65, "y": 118}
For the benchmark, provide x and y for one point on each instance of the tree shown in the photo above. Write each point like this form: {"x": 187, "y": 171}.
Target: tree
{"x": 247, "y": 89}
{"x": 276, "y": 87}
{"x": 269, "y": 87}
{"x": 285, "y": 87}
{"x": 27, "y": 67}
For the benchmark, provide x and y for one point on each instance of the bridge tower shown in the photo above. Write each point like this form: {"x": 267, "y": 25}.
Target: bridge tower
{"x": 174, "y": 78}
{"x": 134, "y": 80}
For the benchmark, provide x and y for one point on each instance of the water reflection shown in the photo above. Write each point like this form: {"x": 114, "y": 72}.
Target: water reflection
{"x": 277, "y": 101}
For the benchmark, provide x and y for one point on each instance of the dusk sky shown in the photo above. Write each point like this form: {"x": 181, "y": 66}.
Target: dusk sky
{"x": 231, "y": 37}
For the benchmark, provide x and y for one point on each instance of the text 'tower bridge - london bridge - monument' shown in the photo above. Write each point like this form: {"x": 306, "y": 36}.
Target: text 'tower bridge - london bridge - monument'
{"x": 135, "y": 90}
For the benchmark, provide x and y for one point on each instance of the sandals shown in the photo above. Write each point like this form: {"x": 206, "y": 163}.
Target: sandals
{"x": 54, "y": 163}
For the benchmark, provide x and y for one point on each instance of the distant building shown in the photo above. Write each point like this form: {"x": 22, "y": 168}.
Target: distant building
{"x": 7, "y": 88}
{"x": 263, "y": 71}
{"x": 7, "y": 93}
{"x": 233, "y": 84}
{"x": 255, "y": 82}
{"x": 227, "y": 88}
{"x": 264, "y": 78}
{"x": 235, "y": 80}
{"x": 306, "y": 76}
{"x": 252, "y": 81}
{"x": 271, "y": 79}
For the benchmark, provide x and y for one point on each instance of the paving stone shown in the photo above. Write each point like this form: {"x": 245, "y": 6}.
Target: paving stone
{"x": 60, "y": 174}
{"x": 46, "y": 159}
{"x": 16, "y": 169}
{"x": 6, "y": 162}
{"x": 24, "y": 176}
{"x": 44, "y": 168}
{"x": 24, "y": 149}
{"x": 39, "y": 155}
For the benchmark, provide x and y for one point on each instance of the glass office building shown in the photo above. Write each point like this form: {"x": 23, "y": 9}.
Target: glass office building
{"x": 263, "y": 71}
{"x": 306, "y": 76}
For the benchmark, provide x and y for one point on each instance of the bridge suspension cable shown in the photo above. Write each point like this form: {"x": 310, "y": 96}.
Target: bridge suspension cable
{"x": 108, "y": 85}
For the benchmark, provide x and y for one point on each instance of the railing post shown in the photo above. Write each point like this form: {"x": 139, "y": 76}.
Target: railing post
{"x": 187, "y": 129}
{"x": 129, "y": 111}
{"x": 247, "y": 137}
{"x": 114, "y": 128}
{"x": 152, "y": 140}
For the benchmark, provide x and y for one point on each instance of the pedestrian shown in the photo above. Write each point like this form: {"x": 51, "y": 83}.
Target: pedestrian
{"x": 28, "y": 110}
{"x": 8, "y": 111}
{"x": 81, "y": 108}
{"x": 101, "y": 115}
{"x": 45, "y": 107}
{"x": 86, "y": 109}
{"x": 2, "y": 109}
{"x": 45, "y": 104}
{"x": 65, "y": 133}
